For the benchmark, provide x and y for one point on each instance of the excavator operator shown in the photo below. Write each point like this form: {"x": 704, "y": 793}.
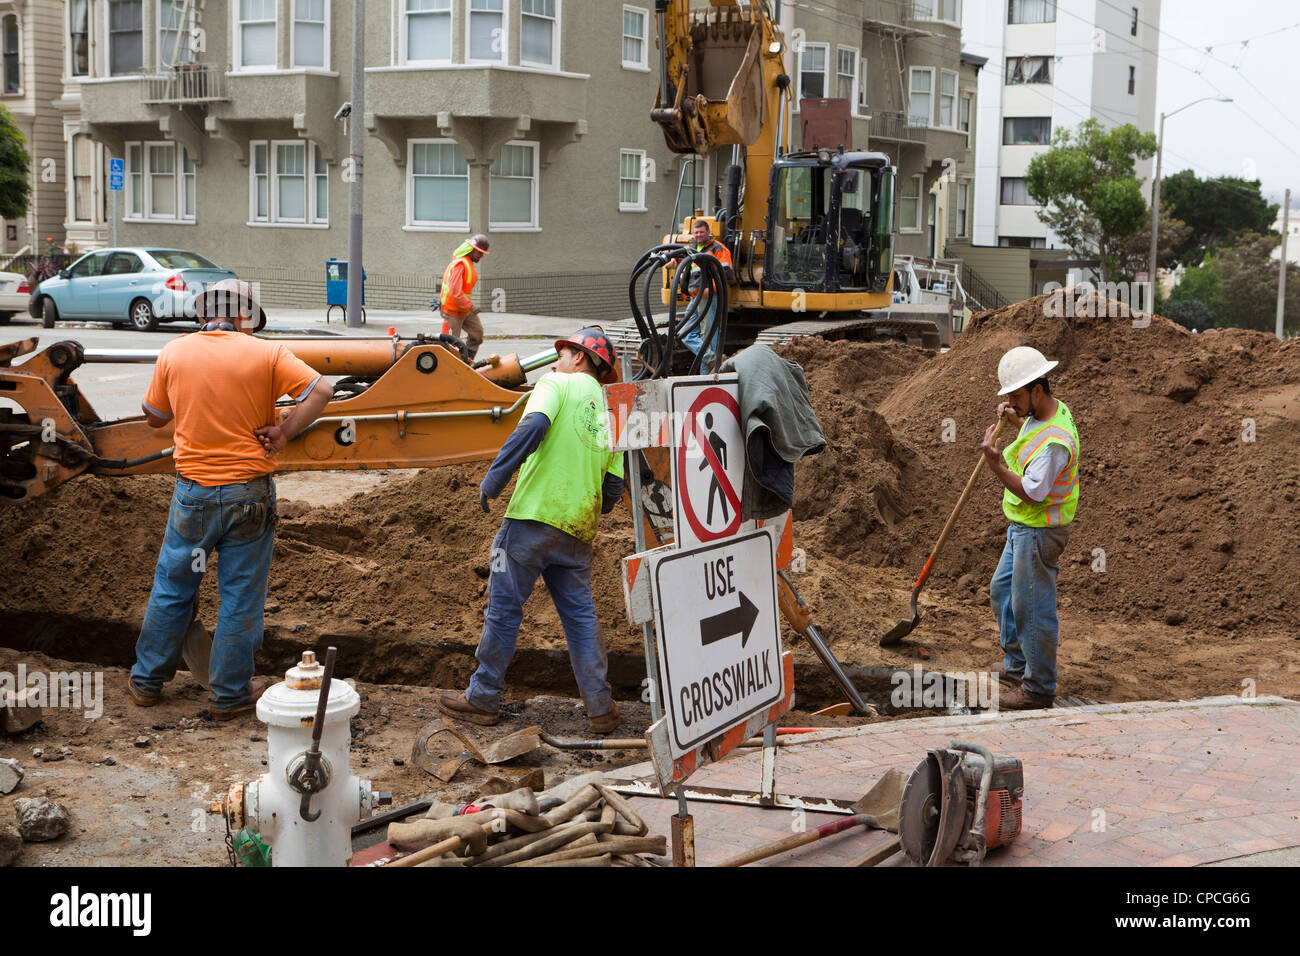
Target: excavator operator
{"x": 703, "y": 241}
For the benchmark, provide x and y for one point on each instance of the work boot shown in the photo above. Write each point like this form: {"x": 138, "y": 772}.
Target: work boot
{"x": 260, "y": 684}
{"x": 1021, "y": 699}
{"x": 458, "y": 706}
{"x": 605, "y": 723}
{"x": 1008, "y": 677}
{"x": 142, "y": 698}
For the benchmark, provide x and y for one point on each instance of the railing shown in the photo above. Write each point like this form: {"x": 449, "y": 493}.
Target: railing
{"x": 897, "y": 126}
{"x": 187, "y": 83}
{"x": 984, "y": 294}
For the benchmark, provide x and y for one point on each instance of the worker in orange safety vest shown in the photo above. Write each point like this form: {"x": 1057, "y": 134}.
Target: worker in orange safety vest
{"x": 458, "y": 309}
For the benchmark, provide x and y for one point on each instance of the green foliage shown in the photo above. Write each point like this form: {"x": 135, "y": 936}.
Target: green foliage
{"x": 1191, "y": 314}
{"x": 1238, "y": 287}
{"x": 1217, "y": 210}
{"x": 1088, "y": 188}
{"x": 15, "y": 169}
{"x": 1135, "y": 256}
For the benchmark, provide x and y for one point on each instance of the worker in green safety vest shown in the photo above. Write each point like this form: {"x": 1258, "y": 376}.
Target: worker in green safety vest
{"x": 1039, "y": 472}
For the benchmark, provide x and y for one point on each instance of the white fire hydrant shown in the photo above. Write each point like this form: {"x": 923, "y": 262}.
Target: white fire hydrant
{"x": 305, "y": 825}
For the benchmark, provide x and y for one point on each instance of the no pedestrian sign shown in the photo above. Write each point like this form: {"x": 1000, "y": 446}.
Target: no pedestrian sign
{"x": 719, "y": 636}
{"x": 708, "y": 459}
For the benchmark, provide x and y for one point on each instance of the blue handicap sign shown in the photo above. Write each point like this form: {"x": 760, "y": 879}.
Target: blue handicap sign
{"x": 116, "y": 174}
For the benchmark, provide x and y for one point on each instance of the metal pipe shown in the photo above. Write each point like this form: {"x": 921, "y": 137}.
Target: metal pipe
{"x": 496, "y": 411}
{"x": 982, "y": 798}
{"x": 119, "y": 356}
{"x": 357, "y": 149}
{"x": 540, "y": 360}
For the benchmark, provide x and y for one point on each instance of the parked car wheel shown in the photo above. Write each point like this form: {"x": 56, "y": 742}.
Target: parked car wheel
{"x": 49, "y": 313}
{"x": 142, "y": 317}
{"x": 5, "y": 317}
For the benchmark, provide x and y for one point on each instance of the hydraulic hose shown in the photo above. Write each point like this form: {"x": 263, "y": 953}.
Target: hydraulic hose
{"x": 657, "y": 360}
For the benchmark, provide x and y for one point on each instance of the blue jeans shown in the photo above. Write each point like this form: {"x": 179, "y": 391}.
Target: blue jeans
{"x": 237, "y": 520}
{"x": 1023, "y": 595}
{"x": 520, "y": 552}
{"x": 694, "y": 339}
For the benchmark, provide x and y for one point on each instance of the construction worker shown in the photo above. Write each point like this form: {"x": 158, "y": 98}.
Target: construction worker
{"x": 219, "y": 387}
{"x": 1039, "y": 472}
{"x": 702, "y": 241}
{"x": 568, "y": 480}
{"x": 458, "y": 308}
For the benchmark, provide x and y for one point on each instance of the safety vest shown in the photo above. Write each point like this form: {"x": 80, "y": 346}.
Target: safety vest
{"x": 719, "y": 252}
{"x": 1057, "y": 509}
{"x": 471, "y": 278}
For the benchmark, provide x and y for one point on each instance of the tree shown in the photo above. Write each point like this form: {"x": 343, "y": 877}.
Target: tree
{"x": 1217, "y": 211}
{"x": 15, "y": 169}
{"x": 1249, "y": 275}
{"x": 1135, "y": 256}
{"x": 1200, "y": 292}
{"x": 1087, "y": 185}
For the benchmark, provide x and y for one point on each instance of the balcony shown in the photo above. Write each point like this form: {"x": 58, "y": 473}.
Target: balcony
{"x": 190, "y": 84}
{"x": 896, "y": 127}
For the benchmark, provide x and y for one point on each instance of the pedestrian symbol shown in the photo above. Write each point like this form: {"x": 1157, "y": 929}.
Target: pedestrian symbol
{"x": 708, "y": 459}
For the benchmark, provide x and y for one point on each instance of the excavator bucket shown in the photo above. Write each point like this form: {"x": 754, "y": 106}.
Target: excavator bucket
{"x": 720, "y": 101}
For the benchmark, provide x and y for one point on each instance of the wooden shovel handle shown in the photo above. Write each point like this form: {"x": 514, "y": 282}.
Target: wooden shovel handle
{"x": 952, "y": 518}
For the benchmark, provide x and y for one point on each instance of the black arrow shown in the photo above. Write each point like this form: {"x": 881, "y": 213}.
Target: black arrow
{"x": 738, "y": 620}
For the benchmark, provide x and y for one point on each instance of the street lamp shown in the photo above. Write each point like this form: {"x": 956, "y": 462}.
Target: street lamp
{"x": 1155, "y": 193}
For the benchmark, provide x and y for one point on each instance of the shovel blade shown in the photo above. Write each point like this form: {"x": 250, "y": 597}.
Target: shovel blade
{"x": 882, "y": 800}
{"x": 197, "y": 651}
{"x": 899, "y": 631}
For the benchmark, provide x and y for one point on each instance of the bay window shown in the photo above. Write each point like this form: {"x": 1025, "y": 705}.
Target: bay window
{"x": 920, "y": 110}
{"x": 79, "y": 37}
{"x": 125, "y": 37}
{"x": 539, "y": 41}
{"x": 310, "y": 38}
{"x": 428, "y": 31}
{"x": 487, "y": 33}
{"x": 255, "y": 34}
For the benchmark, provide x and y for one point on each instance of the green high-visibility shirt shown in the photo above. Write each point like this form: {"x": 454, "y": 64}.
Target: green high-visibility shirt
{"x": 559, "y": 483}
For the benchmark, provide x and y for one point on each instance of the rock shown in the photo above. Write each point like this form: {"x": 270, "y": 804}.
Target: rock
{"x": 18, "y": 712}
{"x": 272, "y": 609}
{"x": 966, "y": 582}
{"x": 11, "y": 845}
{"x": 141, "y": 741}
{"x": 51, "y": 757}
{"x": 41, "y": 819}
{"x": 109, "y": 761}
{"x": 11, "y": 774}
{"x": 1175, "y": 617}
{"x": 254, "y": 735}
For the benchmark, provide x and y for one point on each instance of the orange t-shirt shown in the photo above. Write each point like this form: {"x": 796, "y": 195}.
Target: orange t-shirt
{"x": 220, "y": 386}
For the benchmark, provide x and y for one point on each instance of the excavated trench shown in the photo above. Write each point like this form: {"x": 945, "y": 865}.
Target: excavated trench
{"x": 397, "y": 658}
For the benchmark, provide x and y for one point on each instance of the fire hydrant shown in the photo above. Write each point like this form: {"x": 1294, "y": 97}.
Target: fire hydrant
{"x": 304, "y": 806}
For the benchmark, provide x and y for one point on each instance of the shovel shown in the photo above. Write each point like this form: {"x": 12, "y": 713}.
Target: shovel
{"x": 197, "y": 650}
{"x": 905, "y": 626}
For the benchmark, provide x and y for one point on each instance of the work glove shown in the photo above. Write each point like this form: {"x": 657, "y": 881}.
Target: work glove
{"x": 483, "y": 501}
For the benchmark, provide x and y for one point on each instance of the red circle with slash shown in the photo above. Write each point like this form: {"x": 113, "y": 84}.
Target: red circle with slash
{"x": 710, "y": 396}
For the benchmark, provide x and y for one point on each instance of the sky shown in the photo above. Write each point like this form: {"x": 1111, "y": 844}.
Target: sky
{"x": 1257, "y": 136}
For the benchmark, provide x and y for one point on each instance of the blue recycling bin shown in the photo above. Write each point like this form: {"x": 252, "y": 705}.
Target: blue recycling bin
{"x": 336, "y": 287}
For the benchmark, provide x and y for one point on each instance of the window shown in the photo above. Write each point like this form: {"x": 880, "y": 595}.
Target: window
{"x": 1133, "y": 27}
{"x": 862, "y": 85}
{"x": 122, "y": 263}
{"x": 946, "y": 11}
{"x": 91, "y": 265}
{"x": 947, "y": 99}
{"x": 963, "y": 120}
{"x": 963, "y": 210}
{"x": 812, "y": 71}
{"x": 288, "y": 183}
{"x": 1031, "y": 11}
{"x": 1132, "y": 79}
{"x": 173, "y": 34}
{"x": 635, "y": 21}
{"x": 512, "y": 200}
{"x": 695, "y": 169}
{"x": 83, "y": 169}
{"x": 428, "y": 31}
{"x": 1026, "y": 131}
{"x": 539, "y": 33}
{"x": 13, "y": 80}
{"x": 310, "y": 39}
{"x": 125, "y": 37}
{"x": 1022, "y": 242}
{"x": 160, "y": 179}
{"x": 909, "y": 205}
{"x": 487, "y": 35}
{"x": 255, "y": 34}
{"x": 920, "y": 111}
{"x": 438, "y": 185}
{"x": 631, "y": 182}
{"x": 1015, "y": 191}
{"x": 79, "y": 37}
{"x": 846, "y": 74}
{"x": 1028, "y": 69}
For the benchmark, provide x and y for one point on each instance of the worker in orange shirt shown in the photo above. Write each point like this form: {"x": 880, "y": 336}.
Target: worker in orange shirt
{"x": 694, "y": 340}
{"x": 458, "y": 283}
{"x": 219, "y": 387}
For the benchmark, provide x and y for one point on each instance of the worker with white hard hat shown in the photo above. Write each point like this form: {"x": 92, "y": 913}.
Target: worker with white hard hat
{"x": 1039, "y": 472}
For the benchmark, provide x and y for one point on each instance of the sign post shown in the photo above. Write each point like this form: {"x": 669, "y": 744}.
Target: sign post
{"x": 116, "y": 183}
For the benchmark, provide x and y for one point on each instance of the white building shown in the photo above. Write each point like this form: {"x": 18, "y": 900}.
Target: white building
{"x": 1051, "y": 64}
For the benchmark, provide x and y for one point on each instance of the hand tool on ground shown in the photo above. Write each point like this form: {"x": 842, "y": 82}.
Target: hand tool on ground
{"x": 197, "y": 649}
{"x": 878, "y": 810}
{"x": 960, "y": 802}
{"x": 905, "y": 626}
{"x": 799, "y": 616}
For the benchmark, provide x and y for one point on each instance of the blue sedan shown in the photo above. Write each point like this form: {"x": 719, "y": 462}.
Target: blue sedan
{"x": 138, "y": 286}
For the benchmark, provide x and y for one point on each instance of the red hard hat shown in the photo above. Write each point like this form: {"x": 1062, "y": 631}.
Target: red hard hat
{"x": 595, "y": 343}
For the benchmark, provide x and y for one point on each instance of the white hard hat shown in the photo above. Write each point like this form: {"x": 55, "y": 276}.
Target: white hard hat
{"x": 1021, "y": 366}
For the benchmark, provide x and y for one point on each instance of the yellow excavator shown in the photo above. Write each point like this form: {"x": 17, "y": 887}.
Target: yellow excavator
{"x": 810, "y": 232}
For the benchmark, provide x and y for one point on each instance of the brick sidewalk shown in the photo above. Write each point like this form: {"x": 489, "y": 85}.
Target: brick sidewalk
{"x": 1148, "y": 784}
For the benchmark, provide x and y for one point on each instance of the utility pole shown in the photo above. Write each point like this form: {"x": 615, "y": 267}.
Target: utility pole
{"x": 356, "y": 152}
{"x": 1281, "y": 269}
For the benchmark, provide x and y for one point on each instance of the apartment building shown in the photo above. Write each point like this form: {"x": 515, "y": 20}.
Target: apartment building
{"x": 1051, "y": 65}
{"x": 29, "y": 82}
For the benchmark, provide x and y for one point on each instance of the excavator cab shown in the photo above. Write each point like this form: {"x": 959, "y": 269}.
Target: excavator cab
{"x": 830, "y": 223}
